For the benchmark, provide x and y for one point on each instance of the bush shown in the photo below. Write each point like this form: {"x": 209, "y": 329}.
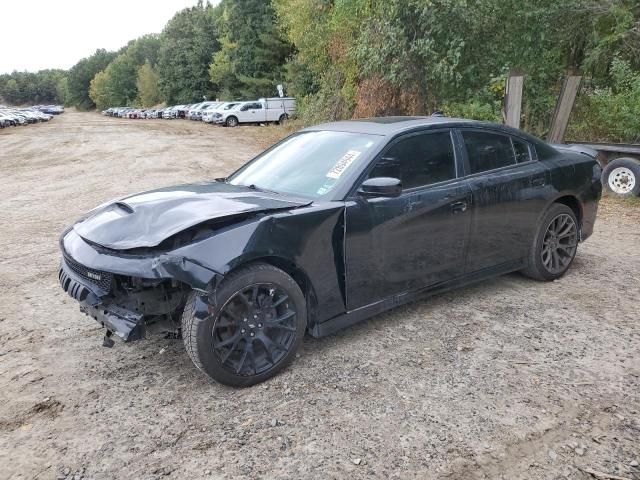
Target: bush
{"x": 612, "y": 113}
{"x": 474, "y": 109}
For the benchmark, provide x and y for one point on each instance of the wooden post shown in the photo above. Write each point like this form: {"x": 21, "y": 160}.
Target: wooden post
{"x": 513, "y": 99}
{"x": 564, "y": 105}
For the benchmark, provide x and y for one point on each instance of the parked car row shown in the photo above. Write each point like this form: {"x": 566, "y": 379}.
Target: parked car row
{"x": 230, "y": 114}
{"x": 13, "y": 117}
{"x": 51, "y": 109}
{"x": 130, "y": 112}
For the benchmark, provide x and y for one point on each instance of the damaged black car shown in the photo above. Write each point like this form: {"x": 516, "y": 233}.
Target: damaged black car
{"x": 330, "y": 226}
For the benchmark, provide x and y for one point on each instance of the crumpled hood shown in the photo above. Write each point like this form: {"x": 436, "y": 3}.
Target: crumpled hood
{"x": 146, "y": 219}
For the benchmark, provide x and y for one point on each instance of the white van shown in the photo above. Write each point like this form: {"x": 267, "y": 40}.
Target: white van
{"x": 264, "y": 110}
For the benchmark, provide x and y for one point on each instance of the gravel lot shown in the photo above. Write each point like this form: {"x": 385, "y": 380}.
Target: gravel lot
{"x": 508, "y": 379}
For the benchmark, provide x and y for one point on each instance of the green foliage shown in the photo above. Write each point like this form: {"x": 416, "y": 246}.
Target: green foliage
{"x": 33, "y": 88}
{"x": 187, "y": 45}
{"x": 118, "y": 83}
{"x": 609, "y": 113}
{"x": 144, "y": 49}
{"x": 81, "y": 74}
{"x": 147, "y": 84}
{"x": 473, "y": 109}
{"x": 486, "y": 104}
{"x": 98, "y": 90}
{"x": 613, "y": 30}
{"x": 368, "y": 57}
{"x": 252, "y": 52}
{"x": 356, "y": 58}
{"x": 324, "y": 34}
{"x": 115, "y": 85}
{"x": 63, "y": 95}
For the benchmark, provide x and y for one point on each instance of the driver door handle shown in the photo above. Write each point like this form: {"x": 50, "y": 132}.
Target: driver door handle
{"x": 458, "y": 207}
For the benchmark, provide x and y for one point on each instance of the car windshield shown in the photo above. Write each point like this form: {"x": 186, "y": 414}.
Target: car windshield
{"x": 308, "y": 164}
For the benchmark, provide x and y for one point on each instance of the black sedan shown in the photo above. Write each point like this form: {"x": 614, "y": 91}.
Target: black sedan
{"x": 332, "y": 225}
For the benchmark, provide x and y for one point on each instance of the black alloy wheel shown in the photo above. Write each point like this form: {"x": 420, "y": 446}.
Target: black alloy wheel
{"x": 249, "y": 328}
{"x": 254, "y": 329}
{"x": 555, "y": 244}
{"x": 559, "y": 244}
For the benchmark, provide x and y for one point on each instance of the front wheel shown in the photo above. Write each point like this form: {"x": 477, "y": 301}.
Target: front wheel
{"x": 249, "y": 329}
{"x": 555, "y": 244}
{"x": 622, "y": 177}
{"x": 231, "y": 122}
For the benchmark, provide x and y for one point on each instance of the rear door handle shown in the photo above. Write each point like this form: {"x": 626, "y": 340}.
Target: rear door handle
{"x": 458, "y": 207}
{"x": 537, "y": 182}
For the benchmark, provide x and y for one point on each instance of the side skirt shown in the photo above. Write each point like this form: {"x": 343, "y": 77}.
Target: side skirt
{"x": 352, "y": 317}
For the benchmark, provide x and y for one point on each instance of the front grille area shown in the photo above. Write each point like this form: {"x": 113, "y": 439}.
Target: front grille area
{"x": 73, "y": 288}
{"x": 96, "y": 277}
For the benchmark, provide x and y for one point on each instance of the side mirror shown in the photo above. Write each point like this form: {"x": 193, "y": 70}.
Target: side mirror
{"x": 381, "y": 187}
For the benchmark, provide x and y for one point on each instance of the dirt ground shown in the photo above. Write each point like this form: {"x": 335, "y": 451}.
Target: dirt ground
{"x": 509, "y": 379}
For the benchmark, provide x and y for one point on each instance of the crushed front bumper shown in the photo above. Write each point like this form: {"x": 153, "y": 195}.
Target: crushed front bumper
{"x": 88, "y": 274}
{"x": 126, "y": 324}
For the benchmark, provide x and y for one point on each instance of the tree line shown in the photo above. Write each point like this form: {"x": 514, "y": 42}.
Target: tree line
{"x": 346, "y": 58}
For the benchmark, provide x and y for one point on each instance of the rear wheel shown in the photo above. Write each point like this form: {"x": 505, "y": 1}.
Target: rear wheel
{"x": 555, "y": 244}
{"x": 622, "y": 177}
{"x": 249, "y": 330}
{"x": 231, "y": 122}
{"x": 283, "y": 118}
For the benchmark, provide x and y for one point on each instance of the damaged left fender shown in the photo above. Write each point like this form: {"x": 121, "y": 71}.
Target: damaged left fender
{"x": 308, "y": 240}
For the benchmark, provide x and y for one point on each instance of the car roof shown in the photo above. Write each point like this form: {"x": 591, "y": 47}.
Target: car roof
{"x": 392, "y": 126}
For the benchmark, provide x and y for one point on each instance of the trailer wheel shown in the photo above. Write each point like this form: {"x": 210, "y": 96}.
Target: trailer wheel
{"x": 622, "y": 177}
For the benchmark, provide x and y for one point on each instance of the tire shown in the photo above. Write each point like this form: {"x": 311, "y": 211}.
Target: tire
{"x": 622, "y": 177}
{"x": 552, "y": 253}
{"x": 283, "y": 118}
{"x": 231, "y": 122}
{"x": 225, "y": 342}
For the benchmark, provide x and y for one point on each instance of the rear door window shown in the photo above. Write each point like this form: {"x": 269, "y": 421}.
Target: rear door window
{"x": 488, "y": 151}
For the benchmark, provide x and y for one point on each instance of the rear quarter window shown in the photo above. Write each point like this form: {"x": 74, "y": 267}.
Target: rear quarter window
{"x": 522, "y": 150}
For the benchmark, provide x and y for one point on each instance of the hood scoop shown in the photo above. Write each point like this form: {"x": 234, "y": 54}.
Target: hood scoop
{"x": 124, "y": 206}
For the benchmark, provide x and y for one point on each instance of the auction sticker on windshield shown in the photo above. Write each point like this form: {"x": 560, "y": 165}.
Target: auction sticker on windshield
{"x": 342, "y": 164}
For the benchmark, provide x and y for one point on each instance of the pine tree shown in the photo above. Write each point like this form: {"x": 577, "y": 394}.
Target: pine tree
{"x": 252, "y": 55}
{"x": 187, "y": 44}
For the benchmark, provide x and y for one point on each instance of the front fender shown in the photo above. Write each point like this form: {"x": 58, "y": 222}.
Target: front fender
{"x": 310, "y": 238}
